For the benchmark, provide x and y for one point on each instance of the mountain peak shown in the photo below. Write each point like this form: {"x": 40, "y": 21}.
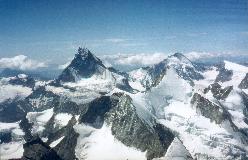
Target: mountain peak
{"x": 180, "y": 57}
{"x": 83, "y": 51}
{"x": 84, "y": 64}
{"x": 84, "y": 54}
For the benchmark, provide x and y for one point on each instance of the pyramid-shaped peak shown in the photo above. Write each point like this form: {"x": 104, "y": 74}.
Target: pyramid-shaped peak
{"x": 83, "y": 51}
{"x": 85, "y": 54}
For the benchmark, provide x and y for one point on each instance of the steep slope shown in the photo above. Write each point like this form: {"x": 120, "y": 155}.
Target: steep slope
{"x": 151, "y": 76}
{"x": 88, "y": 72}
{"x": 174, "y": 110}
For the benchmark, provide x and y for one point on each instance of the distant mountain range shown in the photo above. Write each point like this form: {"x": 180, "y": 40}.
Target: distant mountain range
{"x": 175, "y": 109}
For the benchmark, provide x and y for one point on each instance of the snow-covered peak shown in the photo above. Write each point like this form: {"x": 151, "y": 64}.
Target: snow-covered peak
{"x": 180, "y": 59}
{"x": 235, "y": 67}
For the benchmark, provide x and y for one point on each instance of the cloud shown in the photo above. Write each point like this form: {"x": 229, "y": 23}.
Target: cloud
{"x": 134, "y": 59}
{"x": 21, "y": 62}
{"x": 207, "y": 55}
{"x": 115, "y": 40}
{"x": 63, "y": 66}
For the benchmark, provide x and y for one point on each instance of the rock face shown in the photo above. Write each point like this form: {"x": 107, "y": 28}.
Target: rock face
{"x": 155, "y": 120}
{"x": 5, "y": 137}
{"x": 23, "y": 80}
{"x": 218, "y": 92}
{"x": 84, "y": 65}
{"x": 126, "y": 125}
{"x": 13, "y": 110}
{"x": 182, "y": 65}
{"x": 66, "y": 148}
{"x": 244, "y": 83}
{"x": 209, "y": 109}
{"x": 38, "y": 150}
{"x": 224, "y": 74}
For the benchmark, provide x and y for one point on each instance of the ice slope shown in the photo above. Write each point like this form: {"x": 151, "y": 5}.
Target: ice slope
{"x": 95, "y": 144}
{"x": 169, "y": 101}
{"x": 239, "y": 73}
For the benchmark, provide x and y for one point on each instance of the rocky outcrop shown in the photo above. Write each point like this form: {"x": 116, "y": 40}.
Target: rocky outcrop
{"x": 208, "y": 109}
{"x": 23, "y": 80}
{"x": 218, "y": 92}
{"x": 66, "y": 148}
{"x": 244, "y": 83}
{"x": 36, "y": 149}
{"x": 224, "y": 74}
{"x": 5, "y": 136}
{"x": 41, "y": 99}
{"x": 13, "y": 110}
{"x": 84, "y": 65}
{"x": 120, "y": 114}
{"x": 131, "y": 130}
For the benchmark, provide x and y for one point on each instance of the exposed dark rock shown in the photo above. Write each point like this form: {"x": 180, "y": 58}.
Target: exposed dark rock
{"x": 5, "y": 136}
{"x": 245, "y": 101}
{"x": 26, "y": 81}
{"x": 66, "y": 148}
{"x": 126, "y": 125}
{"x": 188, "y": 72}
{"x": 85, "y": 64}
{"x": 67, "y": 106}
{"x": 224, "y": 74}
{"x": 218, "y": 92}
{"x": 36, "y": 149}
{"x": 96, "y": 111}
{"x": 13, "y": 110}
{"x": 47, "y": 99}
{"x": 208, "y": 109}
{"x": 132, "y": 131}
{"x": 26, "y": 128}
{"x": 244, "y": 82}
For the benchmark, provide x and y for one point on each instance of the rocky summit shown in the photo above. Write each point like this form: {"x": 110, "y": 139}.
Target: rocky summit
{"x": 172, "y": 110}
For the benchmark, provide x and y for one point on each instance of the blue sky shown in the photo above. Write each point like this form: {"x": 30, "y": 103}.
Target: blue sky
{"x": 53, "y": 29}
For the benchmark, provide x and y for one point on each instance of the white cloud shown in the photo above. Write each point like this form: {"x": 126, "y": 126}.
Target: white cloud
{"x": 207, "y": 55}
{"x": 21, "y": 62}
{"x": 115, "y": 40}
{"x": 134, "y": 59}
{"x": 63, "y": 66}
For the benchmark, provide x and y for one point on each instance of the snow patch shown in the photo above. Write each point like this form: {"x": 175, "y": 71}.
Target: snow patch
{"x": 100, "y": 144}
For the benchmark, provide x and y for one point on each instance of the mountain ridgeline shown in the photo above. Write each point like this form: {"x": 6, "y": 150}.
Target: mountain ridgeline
{"x": 172, "y": 110}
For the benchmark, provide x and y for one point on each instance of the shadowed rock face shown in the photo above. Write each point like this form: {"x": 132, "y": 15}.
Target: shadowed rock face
{"x": 126, "y": 125}
{"x": 97, "y": 110}
{"x": 245, "y": 111}
{"x": 36, "y": 149}
{"x": 84, "y": 64}
{"x": 66, "y": 148}
{"x": 13, "y": 110}
{"x": 182, "y": 65}
{"x": 5, "y": 137}
{"x": 208, "y": 109}
{"x": 218, "y": 92}
{"x": 224, "y": 74}
{"x": 244, "y": 82}
{"x": 24, "y": 81}
{"x": 130, "y": 129}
